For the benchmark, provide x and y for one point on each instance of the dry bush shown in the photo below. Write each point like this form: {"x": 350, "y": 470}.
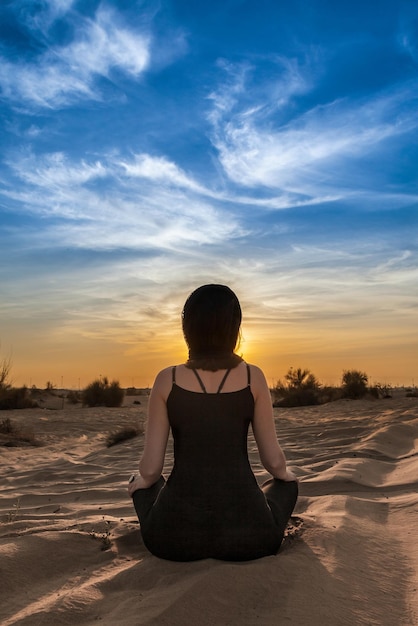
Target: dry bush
{"x": 301, "y": 388}
{"x": 412, "y": 394}
{"x": 125, "y": 433}
{"x": 74, "y": 397}
{"x": 15, "y": 436}
{"x": 102, "y": 393}
{"x": 5, "y": 367}
{"x": 354, "y": 384}
{"x": 15, "y": 398}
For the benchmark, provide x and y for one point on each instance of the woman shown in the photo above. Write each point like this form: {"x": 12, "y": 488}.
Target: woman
{"x": 211, "y": 505}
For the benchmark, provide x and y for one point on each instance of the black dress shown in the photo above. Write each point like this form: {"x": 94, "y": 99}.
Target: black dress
{"x": 211, "y": 505}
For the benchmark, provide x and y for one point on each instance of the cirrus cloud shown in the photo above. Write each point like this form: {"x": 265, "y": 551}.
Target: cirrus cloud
{"x": 62, "y": 74}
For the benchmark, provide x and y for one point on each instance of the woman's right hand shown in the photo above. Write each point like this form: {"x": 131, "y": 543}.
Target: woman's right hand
{"x": 289, "y": 476}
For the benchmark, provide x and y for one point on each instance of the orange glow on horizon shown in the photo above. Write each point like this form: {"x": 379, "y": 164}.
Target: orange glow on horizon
{"x": 72, "y": 356}
{"x": 75, "y": 366}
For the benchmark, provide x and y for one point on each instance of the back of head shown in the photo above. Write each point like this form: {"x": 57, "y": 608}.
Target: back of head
{"x": 211, "y": 323}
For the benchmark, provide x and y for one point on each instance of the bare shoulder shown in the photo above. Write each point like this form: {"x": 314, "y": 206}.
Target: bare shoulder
{"x": 257, "y": 374}
{"x": 162, "y": 375}
{"x": 163, "y": 382}
{"x": 258, "y": 379}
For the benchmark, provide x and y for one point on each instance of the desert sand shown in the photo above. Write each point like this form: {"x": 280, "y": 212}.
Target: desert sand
{"x": 71, "y": 550}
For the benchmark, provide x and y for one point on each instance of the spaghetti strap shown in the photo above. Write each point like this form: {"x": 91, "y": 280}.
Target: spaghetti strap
{"x": 223, "y": 381}
{"x": 200, "y": 381}
{"x": 173, "y": 375}
{"x": 248, "y": 376}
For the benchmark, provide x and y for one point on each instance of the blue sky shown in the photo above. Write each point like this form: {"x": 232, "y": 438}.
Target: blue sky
{"x": 149, "y": 147}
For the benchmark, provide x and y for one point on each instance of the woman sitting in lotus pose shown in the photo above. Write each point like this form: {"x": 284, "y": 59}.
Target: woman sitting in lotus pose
{"x": 211, "y": 505}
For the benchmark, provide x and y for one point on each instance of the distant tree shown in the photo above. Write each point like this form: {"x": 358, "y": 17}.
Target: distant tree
{"x": 301, "y": 388}
{"x": 102, "y": 393}
{"x": 354, "y": 384}
{"x": 301, "y": 379}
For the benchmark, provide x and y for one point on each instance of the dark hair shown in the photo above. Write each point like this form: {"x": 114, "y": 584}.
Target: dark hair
{"x": 211, "y": 324}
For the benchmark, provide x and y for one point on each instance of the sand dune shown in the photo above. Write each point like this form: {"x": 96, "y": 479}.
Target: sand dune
{"x": 356, "y": 562}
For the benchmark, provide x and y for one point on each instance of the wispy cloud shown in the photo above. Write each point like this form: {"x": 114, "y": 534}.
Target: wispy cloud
{"x": 160, "y": 169}
{"x": 48, "y": 11}
{"x": 55, "y": 170}
{"x": 256, "y": 147}
{"x": 62, "y": 74}
{"x": 144, "y": 202}
{"x": 234, "y": 98}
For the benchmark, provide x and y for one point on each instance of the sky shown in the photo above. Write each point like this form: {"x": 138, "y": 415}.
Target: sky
{"x": 149, "y": 147}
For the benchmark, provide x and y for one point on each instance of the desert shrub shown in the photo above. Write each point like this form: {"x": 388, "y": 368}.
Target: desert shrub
{"x": 411, "y": 394}
{"x": 301, "y": 397}
{"x": 15, "y": 398}
{"x": 6, "y": 426}
{"x": 301, "y": 379}
{"x": 125, "y": 433}
{"x": 381, "y": 390}
{"x": 102, "y": 393}
{"x": 301, "y": 388}
{"x": 330, "y": 394}
{"x": 5, "y": 367}
{"x": 354, "y": 384}
{"x": 13, "y": 436}
{"x": 114, "y": 394}
{"x": 74, "y": 397}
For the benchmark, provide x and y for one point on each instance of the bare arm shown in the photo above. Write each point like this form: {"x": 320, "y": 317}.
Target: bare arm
{"x": 271, "y": 454}
{"x": 156, "y": 434}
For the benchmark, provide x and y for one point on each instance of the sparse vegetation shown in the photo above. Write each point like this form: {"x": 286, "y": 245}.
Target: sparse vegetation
{"x": 301, "y": 379}
{"x": 5, "y": 367}
{"x": 74, "y": 397}
{"x": 6, "y": 426}
{"x": 125, "y": 433}
{"x": 354, "y": 384}
{"x": 15, "y": 398}
{"x": 374, "y": 392}
{"x": 301, "y": 388}
{"x": 412, "y": 394}
{"x": 14, "y": 436}
{"x": 380, "y": 390}
{"x": 330, "y": 394}
{"x": 11, "y": 398}
{"x": 102, "y": 393}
